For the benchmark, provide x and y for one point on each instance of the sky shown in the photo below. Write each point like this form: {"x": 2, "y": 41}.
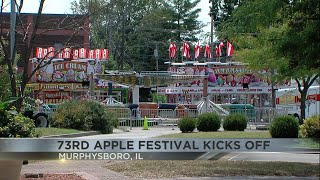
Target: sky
{"x": 64, "y": 7}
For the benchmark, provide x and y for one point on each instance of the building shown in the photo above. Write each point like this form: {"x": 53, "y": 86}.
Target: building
{"x": 53, "y": 30}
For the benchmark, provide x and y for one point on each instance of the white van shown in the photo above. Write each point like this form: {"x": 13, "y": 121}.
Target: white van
{"x": 289, "y": 99}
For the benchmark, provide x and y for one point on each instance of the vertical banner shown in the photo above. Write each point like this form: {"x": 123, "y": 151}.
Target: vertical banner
{"x": 97, "y": 54}
{"x": 91, "y": 54}
{"x": 76, "y": 54}
{"x": 105, "y": 54}
{"x": 50, "y": 52}
{"x": 82, "y": 53}
{"x": 39, "y": 52}
{"x": 66, "y": 53}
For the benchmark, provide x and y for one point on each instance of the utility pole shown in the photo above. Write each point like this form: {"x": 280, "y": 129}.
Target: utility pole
{"x": 156, "y": 55}
{"x": 12, "y": 29}
{"x": 212, "y": 27}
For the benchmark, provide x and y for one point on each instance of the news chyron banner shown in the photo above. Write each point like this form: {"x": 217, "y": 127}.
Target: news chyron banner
{"x": 136, "y": 149}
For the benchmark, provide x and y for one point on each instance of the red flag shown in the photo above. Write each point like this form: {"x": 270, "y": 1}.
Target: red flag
{"x": 207, "y": 52}
{"x": 220, "y": 48}
{"x": 172, "y": 50}
{"x": 66, "y": 53}
{"x": 197, "y": 50}
{"x": 39, "y": 52}
{"x": 75, "y": 54}
{"x": 50, "y": 52}
{"x": 186, "y": 49}
{"x": 97, "y": 54}
{"x": 104, "y": 54}
{"x": 217, "y": 51}
{"x": 229, "y": 49}
{"x": 91, "y": 54}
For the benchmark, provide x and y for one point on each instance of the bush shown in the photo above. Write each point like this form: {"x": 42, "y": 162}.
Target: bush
{"x": 187, "y": 124}
{"x": 16, "y": 125}
{"x": 311, "y": 127}
{"x": 235, "y": 122}
{"x": 284, "y": 127}
{"x": 209, "y": 122}
{"x": 84, "y": 115}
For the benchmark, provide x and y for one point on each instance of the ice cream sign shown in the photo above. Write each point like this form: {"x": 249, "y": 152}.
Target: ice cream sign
{"x": 66, "y": 71}
{"x": 70, "y": 65}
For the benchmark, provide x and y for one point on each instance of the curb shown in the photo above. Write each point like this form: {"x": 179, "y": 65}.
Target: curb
{"x": 74, "y": 135}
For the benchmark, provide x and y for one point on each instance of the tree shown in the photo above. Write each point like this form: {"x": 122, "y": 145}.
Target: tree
{"x": 26, "y": 35}
{"x": 132, "y": 30}
{"x": 120, "y": 27}
{"x": 184, "y": 19}
{"x": 281, "y": 35}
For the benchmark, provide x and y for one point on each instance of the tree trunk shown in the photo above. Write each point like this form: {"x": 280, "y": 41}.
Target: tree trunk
{"x": 273, "y": 97}
{"x": 303, "y": 105}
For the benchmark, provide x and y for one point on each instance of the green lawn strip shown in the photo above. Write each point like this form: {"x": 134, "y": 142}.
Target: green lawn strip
{"x": 309, "y": 143}
{"x": 55, "y": 131}
{"x": 221, "y": 134}
{"x": 198, "y": 168}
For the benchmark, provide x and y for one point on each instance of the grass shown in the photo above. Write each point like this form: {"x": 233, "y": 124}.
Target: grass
{"x": 309, "y": 142}
{"x": 221, "y": 134}
{"x": 198, "y": 168}
{"x": 55, "y": 131}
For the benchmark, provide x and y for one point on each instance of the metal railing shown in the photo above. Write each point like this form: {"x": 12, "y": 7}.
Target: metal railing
{"x": 169, "y": 118}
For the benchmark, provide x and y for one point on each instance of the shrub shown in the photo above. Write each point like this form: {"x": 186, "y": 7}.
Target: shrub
{"x": 84, "y": 115}
{"x": 284, "y": 127}
{"x": 16, "y": 125}
{"x": 187, "y": 124}
{"x": 311, "y": 127}
{"x": 235, "y": 122}
{"x": 209, "y": 122}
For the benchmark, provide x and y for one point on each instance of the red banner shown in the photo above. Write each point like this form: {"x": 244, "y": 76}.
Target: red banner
{"x": 68, "y": 53}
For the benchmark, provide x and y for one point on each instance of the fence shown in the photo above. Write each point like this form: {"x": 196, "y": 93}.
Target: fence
{"x": 169, "y": 118}
{"x": 260, "y": 116}
{"x": 155, "y": 117}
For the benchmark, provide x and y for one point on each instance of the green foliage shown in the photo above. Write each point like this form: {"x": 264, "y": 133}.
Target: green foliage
{"x": 311, "y": 127}
{"x": 209, "y": 122}
{"x": 13, "y": 124}
{"x": 159, "y": 98}
{"x": 187, "y": 124}
{"x": 4, "y": 84}
{"x": 235, "y": 122}
{"x": 284, "y": 127}
{"x": 84, "y": 115}
{"x": 280, "y": 35}
{"x": 131, "y": 30}
{"x": 184, "y": 19}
